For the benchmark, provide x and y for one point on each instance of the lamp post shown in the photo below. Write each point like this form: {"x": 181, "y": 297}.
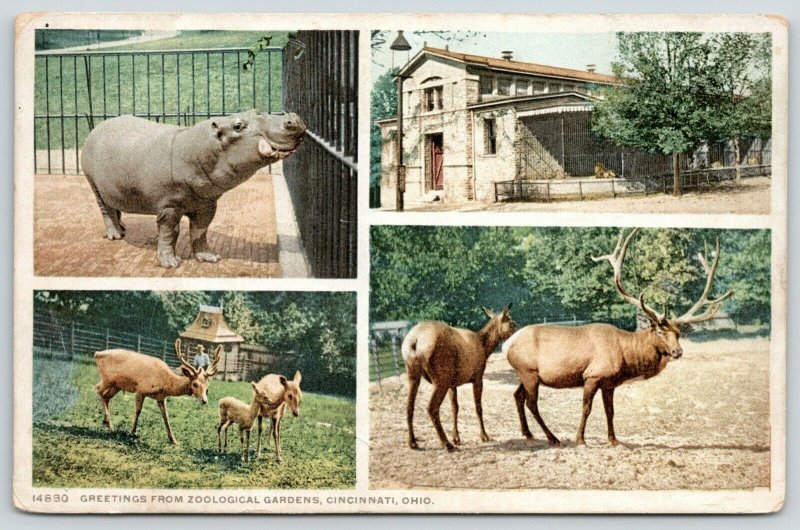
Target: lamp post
{"x": 400, "y": 44}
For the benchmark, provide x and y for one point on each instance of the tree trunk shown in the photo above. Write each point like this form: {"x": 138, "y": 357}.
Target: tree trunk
{"x": 677, "y": 184}
{"x": 736, "y": 164}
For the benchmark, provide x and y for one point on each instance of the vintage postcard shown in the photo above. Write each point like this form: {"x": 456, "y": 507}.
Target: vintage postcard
{"x": 557, "y": 286}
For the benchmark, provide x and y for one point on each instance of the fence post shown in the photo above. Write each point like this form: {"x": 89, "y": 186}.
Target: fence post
{"x": 72, "y": 340}
{"x": 164, "y": 352}
{"x": 107, "y": 337}
{"x": 394, "y": 355}
{"x": 139, "y": 343}
{"x": 613, "y": 190}
{"x": 495, "y": 192}
{"x": 548, "y": 191}
{"x": 580, "y": 189}
{"x": 374, "y": 345}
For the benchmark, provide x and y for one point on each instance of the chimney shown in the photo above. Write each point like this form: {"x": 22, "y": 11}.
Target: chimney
{"x": 507, "y": 55}
{"x": 591, "y": 68}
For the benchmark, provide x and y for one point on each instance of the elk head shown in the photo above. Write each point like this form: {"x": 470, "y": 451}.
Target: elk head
{"x": 501, "y": 321}
{"x": 198, "y": 377}
{"x": 667, "y": 331}
{"x": 292, "y": 395}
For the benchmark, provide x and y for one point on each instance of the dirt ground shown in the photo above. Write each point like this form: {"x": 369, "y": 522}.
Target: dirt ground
{"x": 703, "y": 423}
{"x": 68, "y": 234}
{"x": 752, "y": 197}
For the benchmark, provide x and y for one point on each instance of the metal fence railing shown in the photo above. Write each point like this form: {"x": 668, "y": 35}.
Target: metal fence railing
{"x": 321, "y": 85}
{"x": 76, "y": 90}
{"x": 548, "y": 190}
{"x": 386, "y": 338}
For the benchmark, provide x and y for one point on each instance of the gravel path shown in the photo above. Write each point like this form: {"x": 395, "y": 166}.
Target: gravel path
{"x": 701, "y": 424}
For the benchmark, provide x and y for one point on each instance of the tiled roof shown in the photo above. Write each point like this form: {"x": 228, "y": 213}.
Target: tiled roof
{"x": 527, "y": 68}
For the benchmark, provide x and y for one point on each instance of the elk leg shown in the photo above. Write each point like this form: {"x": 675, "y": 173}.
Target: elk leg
{"x": 219, "y": 437}
{"x": 454, "y": 406}
{"x": 589, "y": 390}
{"x": 608, "y": 404}
{"x": 163, "y": 406}
{"x": 271, "y": 434}
{"x": 137, "y": 411}
{"x": 258, "y": 447}
{"x": 241, "y": 441}
{"x": 247, "y": 445}
{"x": 225, "y": 431}
{"x": 519, "y": 396}
{"x": 477, "y": 393}
{"x": 533, "y": 404}
{"x": 106, "y": 393}
{"x": 278, "y": 458}
{"x": 413, "y": 387}
{"x": 439, "y": 392}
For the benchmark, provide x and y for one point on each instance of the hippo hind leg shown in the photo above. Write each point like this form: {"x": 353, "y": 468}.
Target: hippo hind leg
{"x": 112, "y": 218}
{"x": 168, "y": 224}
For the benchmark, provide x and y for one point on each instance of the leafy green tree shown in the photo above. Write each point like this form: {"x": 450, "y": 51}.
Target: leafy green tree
{"x": 665, "y": 101}
{"x": 181, "y": 307}
{"x": 742, "y": 80}
{"x": 383, "y": 104}
{"x": 236, "y": 308}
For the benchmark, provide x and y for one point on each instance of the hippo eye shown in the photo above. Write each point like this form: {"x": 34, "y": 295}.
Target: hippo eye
{"x": 238, "y": 126}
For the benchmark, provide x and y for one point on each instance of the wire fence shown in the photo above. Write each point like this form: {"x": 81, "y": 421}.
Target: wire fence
{"x": 63, "y": 340}
{"x": 76, "y": 90}
{"x": 321, "y": 85}
{"x": 386, "y": 339}
{"x": 578, "y": 189}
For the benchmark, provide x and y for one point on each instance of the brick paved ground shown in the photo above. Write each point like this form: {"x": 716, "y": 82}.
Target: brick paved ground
{"x": 68, "y": 235}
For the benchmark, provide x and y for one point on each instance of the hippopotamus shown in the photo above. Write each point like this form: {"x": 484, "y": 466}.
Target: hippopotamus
{"x": 138, "y": 166}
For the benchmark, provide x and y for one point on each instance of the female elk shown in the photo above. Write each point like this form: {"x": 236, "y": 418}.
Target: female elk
{"x": 282, "y": 393}
{"x": 601, "y": 356}
{"x": 449, "y": 357}
{"x": 148, "y": 376}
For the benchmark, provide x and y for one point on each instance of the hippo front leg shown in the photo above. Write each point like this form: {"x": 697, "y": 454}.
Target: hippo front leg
{"x": 168, "y": 223}
{"x": 199, "y": 222}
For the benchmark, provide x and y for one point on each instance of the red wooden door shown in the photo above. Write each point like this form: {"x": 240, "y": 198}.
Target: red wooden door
{"x": 437, "y": 162}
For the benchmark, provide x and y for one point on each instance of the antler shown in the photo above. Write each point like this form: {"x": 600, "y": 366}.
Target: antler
{"x": 182, "y": 358}
{"x": 712, "y": 306}
{"x": 212, "y": 370}
{"x": 616, "y": 258}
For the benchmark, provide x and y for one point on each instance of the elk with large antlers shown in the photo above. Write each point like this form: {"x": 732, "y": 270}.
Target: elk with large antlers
{"x": 601, "y": 356}
{"x": 146, "y": 376}
{"x": 449, "y": 357}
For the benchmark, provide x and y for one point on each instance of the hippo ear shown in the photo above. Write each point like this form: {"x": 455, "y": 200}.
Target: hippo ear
{"x": 214, "y": 125}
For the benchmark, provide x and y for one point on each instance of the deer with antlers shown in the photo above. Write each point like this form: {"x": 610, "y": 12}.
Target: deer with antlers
{"x": 146, "y": 376}
{"x": 602, "y": 356}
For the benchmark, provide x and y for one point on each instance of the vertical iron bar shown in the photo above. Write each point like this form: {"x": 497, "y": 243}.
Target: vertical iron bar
{"x": 47, "y": 107}
{"x": 255, "y": 60}
{"x": 178, "y": 85}
{"x": 75, "y": 96}
{"x": 105, "y": 109}
{"x": 119, "y": 89}
{"x": 239, "y": 81}
{"x": 61, "y": 108}
{"x": 163, "y": 91}
{"x": 148, "y": 86}
{"x": 133, "y": 83}
{"x": 208, "y": 85}
{"x": 194, "y": 110}
{"x": 223, "y": 82}
{"x": 269, "y": 81}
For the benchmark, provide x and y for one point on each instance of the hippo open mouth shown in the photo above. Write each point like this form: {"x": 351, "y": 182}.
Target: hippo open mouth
{"x": 267, "y": 150}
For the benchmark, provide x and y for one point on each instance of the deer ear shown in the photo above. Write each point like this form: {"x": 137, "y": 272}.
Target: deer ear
{"x": 298, "y": 377}
{"x": 254, "y": 385}
{"x": 487, "y": 311}
{"x": 186, "y": 372}
{"x": 283, "y": 380}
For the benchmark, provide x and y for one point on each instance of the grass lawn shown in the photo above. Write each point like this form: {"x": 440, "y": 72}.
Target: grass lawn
{"x": 157, "y": 86}
{"x": 71, "y": 447}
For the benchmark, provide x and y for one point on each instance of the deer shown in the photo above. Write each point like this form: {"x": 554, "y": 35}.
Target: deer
{"x": 232, "y": 410}
{"x": 448, "y": 357}
{"x": 601, "y": 356}
{"x": 146, "y": 376}
{"x": 282, "y": 394}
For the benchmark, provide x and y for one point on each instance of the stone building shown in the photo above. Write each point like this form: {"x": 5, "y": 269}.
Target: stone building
{"x": 470, "y": 121}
